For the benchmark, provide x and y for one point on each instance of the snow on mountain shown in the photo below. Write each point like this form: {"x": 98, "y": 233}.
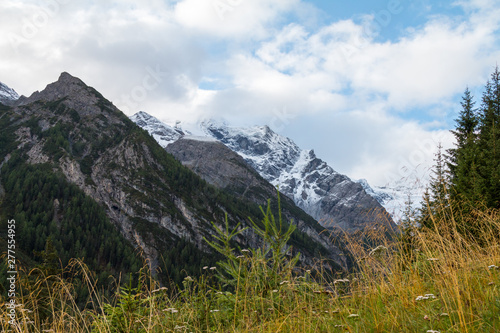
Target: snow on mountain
{"x": 399, "y": 194}
{"x": 163, "y": 133}
{"x": 405, "y": 192}
{"x": 331, "y": 198}
{"x": 267, "y": 152}
{"x": 381, "y": 196}
{"x": 7, "y": 94}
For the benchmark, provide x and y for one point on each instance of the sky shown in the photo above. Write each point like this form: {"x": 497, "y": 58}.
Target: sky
{"x": 372, "y": 86}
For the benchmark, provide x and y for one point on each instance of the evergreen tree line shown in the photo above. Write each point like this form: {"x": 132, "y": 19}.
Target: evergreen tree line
{"x": 56, "y": 217}
{"x": 467, "y": 176}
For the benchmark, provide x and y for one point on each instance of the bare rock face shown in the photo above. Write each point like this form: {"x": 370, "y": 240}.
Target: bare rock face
{"x": 72, "y": 90}
{"x": 215, "y": 163}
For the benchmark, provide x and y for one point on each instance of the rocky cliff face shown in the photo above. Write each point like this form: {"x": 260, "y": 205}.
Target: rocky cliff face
{"x": 148, "y": 195}
{"x": 217, "y": 164}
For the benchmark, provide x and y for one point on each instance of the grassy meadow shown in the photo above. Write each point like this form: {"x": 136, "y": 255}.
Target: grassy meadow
{"x": 432, "y": 280}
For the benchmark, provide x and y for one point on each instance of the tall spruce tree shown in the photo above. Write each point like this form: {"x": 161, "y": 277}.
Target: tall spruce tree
{"x": 462, "y": 160}
{"x": 489, "y": 142}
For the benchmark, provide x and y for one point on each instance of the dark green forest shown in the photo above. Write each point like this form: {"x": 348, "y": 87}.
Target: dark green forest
{"x": 467, "y": 177}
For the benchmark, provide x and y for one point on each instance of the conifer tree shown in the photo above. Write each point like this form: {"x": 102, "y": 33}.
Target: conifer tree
{"x": 462, "y": 160}
{"x": 489, "y": 142}
{"x": 436, "y": 199}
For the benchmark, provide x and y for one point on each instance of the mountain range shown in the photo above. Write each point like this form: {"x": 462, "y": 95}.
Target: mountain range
{"x": 328, "y": 196}
{"x": 79, "y": 172}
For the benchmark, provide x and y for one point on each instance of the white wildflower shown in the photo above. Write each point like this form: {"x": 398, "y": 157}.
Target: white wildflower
{"x": 245, "y": 250}
{"x": 205, "y": 267}
{"x": 353, "y": 315}
{"x": 214, "y": 310}
{"x": 432, "y": 259}
{"x": 275, "y": 290}
{"x": 212, "y": 268}
{"x": 444, "y": 314}
{"x": 284, "y": 282}
{"x": 240, "y": 257}
{"x": 492, "y": 267}
{"x": 171, "y": 310}
{"x": 432, "y": 331}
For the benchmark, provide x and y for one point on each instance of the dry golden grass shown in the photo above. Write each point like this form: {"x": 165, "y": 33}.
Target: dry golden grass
{"x": 445, "y": 281}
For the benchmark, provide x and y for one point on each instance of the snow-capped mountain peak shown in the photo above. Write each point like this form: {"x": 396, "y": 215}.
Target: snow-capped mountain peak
{"x": 266, "y": 151}
{"x": 7, "y": 94}
{"x": 163, "y": 133}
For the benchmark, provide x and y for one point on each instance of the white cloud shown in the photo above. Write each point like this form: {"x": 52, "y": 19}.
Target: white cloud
{"x": 423, "y": 68}
{"x": 232, "y": 18}
{"x": 335, "y": 88}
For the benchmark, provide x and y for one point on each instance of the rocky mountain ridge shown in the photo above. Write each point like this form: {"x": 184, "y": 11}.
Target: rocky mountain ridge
{"x": 153, "y": 200}
{"x": 329, "y": 197}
